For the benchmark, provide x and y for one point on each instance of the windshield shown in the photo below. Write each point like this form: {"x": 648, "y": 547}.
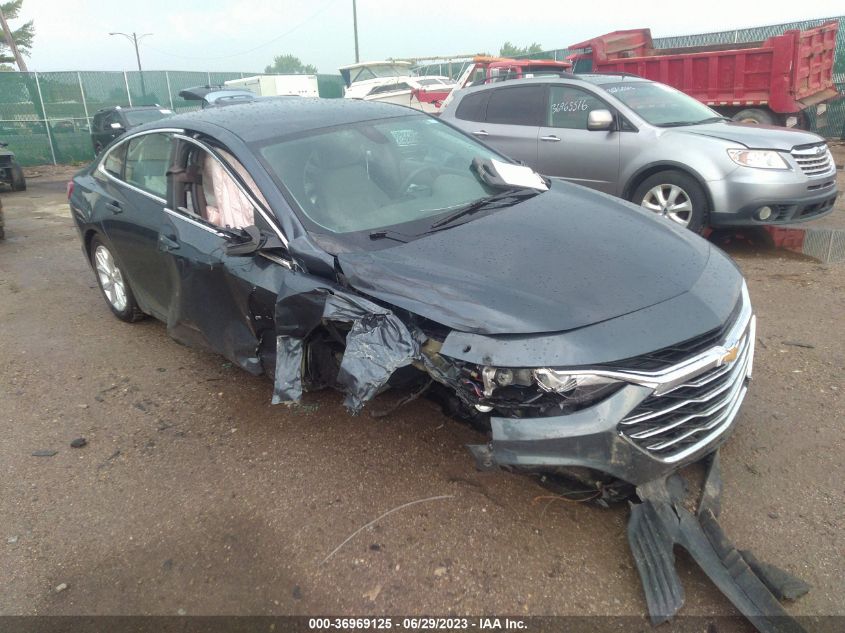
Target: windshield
{"x": 382, "y": 70}
{"x": 378, "y": 174}
{"x": 659, "y": 104}
{"x": 139, "y": 117}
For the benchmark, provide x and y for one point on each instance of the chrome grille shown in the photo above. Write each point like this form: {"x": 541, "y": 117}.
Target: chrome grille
{"x": 814, "y": 160}
{"x": 679, "y": 421}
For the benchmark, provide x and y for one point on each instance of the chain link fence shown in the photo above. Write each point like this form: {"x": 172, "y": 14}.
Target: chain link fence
{"x": 834, "y": 126}
{"x": 46, "y": 117}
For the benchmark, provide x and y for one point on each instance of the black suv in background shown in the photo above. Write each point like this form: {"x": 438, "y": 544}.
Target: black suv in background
{"x": 109, "y": 123}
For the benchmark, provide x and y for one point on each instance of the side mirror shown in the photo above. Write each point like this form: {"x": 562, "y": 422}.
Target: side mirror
{"x": 116, "y": 126}
{"x": 247, "y": 243}
{"x": 599, "y": 120}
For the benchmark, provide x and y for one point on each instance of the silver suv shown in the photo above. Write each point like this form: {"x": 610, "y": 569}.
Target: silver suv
{"x": 653, "y": 145}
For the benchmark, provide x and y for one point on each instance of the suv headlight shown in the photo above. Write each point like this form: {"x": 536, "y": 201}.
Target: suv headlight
{"x": 580, "y": 388}
{"x": 758, "y": 158}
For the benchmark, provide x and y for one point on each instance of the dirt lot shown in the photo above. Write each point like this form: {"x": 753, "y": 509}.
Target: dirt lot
{"x": 195, "y": 496}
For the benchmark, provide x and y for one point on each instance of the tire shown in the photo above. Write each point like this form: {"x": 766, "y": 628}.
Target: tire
{"x": 690, "y": 207}
{"x": 754, "y": 116}
{"x": 113, "y": 283}
{"x": 18, "y": 181}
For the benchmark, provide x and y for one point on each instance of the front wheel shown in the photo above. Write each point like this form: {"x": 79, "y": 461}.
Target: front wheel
{"x": 113, "y": 283}
{"x": 676, "y": 196}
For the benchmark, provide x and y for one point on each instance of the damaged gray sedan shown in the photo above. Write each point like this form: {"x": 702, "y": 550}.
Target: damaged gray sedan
{"x": 364, "y": 246}
{"x": 360, "y": 246}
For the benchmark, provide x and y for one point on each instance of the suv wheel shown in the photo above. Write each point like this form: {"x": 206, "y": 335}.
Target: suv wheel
{"x": 18, "y": 181}
{"x": 674, "y": 195}
{"x": 113, "y": 283}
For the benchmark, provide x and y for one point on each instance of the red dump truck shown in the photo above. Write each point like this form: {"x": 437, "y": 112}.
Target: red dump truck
{"x": 771, "y": 82}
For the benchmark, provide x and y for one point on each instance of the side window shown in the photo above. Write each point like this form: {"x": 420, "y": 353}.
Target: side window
{"x": 113, "y": 162}
{"x": 147, "y": 160}
{"x": 212, "y": 194}
{"x": 522, "y": 105}
{"x": 569, "y": 107}
{"x": 473, "y": 107}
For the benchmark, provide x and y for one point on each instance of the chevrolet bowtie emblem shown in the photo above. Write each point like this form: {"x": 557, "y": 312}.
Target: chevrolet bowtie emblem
{"x": 730, "y": 355}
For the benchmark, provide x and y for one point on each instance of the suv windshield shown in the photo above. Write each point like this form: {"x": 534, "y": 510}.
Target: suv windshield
{"x": 659, "y": 104}
{"x": 139, "y": 117}
{"x": 379, "y": 173}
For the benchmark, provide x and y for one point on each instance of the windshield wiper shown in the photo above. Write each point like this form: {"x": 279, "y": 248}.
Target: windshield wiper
{"x": 505, "y": 198}
{"x": 711, "y": 119}
{"x": 384, "y": 234}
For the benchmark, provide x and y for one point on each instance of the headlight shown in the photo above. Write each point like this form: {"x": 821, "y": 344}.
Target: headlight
{"x": 581, "y": 388}
{"x": 758, "y": 158}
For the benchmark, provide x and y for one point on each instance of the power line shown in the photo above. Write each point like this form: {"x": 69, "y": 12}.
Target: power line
{"x": 255, "y": 48}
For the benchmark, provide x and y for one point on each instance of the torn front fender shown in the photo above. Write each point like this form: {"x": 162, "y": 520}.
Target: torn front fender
{"x": 377, "y": 343}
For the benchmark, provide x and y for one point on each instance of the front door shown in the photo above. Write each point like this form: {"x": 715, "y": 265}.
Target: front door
{"x": 220, "y": 301}
{"x": 567, "y": 149}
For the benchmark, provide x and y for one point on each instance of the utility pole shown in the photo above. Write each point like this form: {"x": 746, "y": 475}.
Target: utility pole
{"x": 355, "y": 28}
{"x": 135, "y": 38}
{"x": 7, "y": 35}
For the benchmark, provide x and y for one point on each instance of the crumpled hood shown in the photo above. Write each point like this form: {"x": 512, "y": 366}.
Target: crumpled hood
{"x": 753, "y": 136}
{"x": 562, "y": 260}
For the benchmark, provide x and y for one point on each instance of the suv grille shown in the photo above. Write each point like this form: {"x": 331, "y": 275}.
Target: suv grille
{"x": 814, "y": 160}
{"x": 676, "y": 423}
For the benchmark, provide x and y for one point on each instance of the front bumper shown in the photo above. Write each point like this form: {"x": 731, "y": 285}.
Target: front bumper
{"x": 657, "y": 423}
{"x": 791, "y": 196}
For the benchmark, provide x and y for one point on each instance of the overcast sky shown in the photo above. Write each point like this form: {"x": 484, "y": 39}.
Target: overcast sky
{"x": 244, "y": 35}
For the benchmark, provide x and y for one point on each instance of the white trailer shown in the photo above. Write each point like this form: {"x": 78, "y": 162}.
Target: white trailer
{"x": 278, "y": 85}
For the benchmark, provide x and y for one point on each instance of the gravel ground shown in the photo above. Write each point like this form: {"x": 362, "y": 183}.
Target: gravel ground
{"x": 195, "y": 496}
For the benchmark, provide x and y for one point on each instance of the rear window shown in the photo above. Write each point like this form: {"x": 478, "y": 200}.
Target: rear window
{"x": 113, "y": 163}
{"x": 473, "y": 107}
{"x": 523, "y": 105}
{"x": 147, "y": 161}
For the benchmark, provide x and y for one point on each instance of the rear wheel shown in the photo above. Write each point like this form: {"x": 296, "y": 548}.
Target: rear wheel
{"x": 676, "y": 196}
{"x": 113, "y": 283}
{"x": 18, "y": 180}
{"x": 754, "y": 116}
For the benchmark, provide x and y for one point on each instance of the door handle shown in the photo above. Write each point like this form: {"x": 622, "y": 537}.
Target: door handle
{"x": 481, "y": 133}
{"x": 114, "y": 207}
{"x": 551, "y": 138}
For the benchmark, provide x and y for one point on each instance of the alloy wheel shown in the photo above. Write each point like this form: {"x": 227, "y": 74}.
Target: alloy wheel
{"x": 670, "y": 201}
{"x": 111, "y": 279}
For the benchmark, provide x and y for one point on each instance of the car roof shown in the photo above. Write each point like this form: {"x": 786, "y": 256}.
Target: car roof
{"x": 278, "y": 116}
{"x": 120, "y": 108}
{"x": 564, "y": 78}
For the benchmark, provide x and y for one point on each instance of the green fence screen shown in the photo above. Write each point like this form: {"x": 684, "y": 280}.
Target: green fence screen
{"x": 834, "y": 126}
{"x": 45, "y": 117}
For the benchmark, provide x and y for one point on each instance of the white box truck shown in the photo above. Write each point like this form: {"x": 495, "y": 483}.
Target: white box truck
{"x": 278, "y": 85}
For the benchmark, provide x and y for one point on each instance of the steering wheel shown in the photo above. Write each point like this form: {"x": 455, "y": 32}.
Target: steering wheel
{"x": 409, "y": 180}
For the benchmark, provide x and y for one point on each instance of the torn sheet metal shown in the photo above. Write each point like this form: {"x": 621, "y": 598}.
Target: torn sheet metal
{"x": 377, "y": 344}
{"x": 661, "y": 521}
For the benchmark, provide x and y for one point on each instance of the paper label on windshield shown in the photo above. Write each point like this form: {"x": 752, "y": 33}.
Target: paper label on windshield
{"x": 519, "y": 175}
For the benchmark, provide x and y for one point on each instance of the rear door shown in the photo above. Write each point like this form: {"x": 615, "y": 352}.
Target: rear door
{"x": 134, "y": 181}
{"x": 567, "y": 149}
{"x": 507, "y": 118}
{"x": 512, "y": 121}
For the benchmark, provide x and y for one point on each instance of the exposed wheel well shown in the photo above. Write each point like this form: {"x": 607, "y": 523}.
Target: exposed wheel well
{"x": 89, "y": 236}
{"x": 635, "y": 181}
